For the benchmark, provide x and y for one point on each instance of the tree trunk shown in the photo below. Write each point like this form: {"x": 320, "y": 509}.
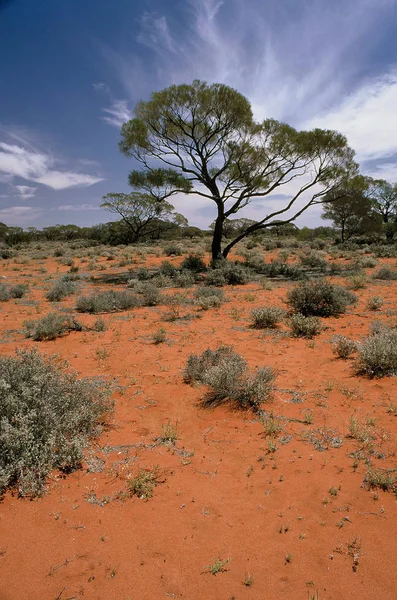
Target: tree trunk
{"x": 216, "y": 249}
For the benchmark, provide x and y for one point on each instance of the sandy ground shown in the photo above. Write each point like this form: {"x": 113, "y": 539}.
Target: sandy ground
{"x": 223, "y": 494}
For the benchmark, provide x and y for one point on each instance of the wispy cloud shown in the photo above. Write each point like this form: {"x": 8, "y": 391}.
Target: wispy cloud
{"x": 368, "y": 117}
{"x": 117, "y": 114}
{"x": 27, "y": 162}
{"x": 25, "y": 191}
{"x": 19, "y": 215}
{"x": 309, "y": 63}
{"x": 77, "y": 207}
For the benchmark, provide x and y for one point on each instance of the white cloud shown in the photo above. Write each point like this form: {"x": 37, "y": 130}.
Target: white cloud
{"x": 306, "y": 63}
{"x": 77, "y": 207}
{"x": 21, "y": 160}
{"x": 19, "y": 215}
{"x": 117, "y": 114}
{"x": 25, "y": 191}
{"x": 61, "y": 180}
{"x": 368, "y": 117}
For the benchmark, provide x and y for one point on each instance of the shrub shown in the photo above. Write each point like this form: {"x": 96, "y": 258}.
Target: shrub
{"x": 106, "y": 302}
{"x": 205, "y": 303}
{"x": 314, "y": 260}
{"x": 375, "y": 303}
{"x": 62, "y": 289}
{"x": 143, "y": 484}
{"x": 172, "y": 249}
{"x": 225, "y": 373}
{"x": 377, "y": 354}
{"x": 100, "y": 325}
{"x": 168, "y": 269}
{"x": 151, "y": 294}
{"x": 159, "y": 336}
{"x": 281, "y": 269}
{"x": 358, "y": 282}
{"x": 193, "y": 263}
{"x": 207, "y": 292}
{"x": 386, "y": 273}
{"x": 183, "y": 279}
{"x": 306, "y": 327}
{"x": 216, "y": 278}
{"x": 343, "y": 347}
{"x": 235, "y": 274}
{"x": 143, "y": 274}
{"x": 267, "y": 317}
{"x": 319, "y": 298}
{"x": 47, "y": 416}
{"x": 13, "y": 291}
{"x": 51, "y": 326}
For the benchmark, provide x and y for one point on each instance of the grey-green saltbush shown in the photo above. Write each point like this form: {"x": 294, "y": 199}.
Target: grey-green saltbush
{"x": 62, "y": 289}
{"x": 226, "y": 374}
{"x": 51, "y": 326}
{"x": 305, "y": 327}
{"x": 8, "y": 292}
{"x": 47, "y": 416}
{"x": 106, "y": 302}
{"x": 319, "y": 298}
{"x": 267, "y": 317}
{"x": 377, "y": 354}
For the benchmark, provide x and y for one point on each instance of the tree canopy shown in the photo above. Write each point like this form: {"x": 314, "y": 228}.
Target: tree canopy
{"x": 143, "y": 213}
{"x": 351, "y": 208}
{"x": 209, "y": 144}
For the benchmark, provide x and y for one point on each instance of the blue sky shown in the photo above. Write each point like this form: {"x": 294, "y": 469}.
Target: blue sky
{"x": 72, "y": 71}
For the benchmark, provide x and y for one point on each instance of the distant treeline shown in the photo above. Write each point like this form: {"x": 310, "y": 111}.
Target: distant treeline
{"x": 117, "y": 232}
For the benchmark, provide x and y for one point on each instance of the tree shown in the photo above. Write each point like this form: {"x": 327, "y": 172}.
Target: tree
{"x": 144, "y": 214}
{"x": 384, "y": 197}
{"x": 351, "y": 209}
{"x": 207, "y": 139}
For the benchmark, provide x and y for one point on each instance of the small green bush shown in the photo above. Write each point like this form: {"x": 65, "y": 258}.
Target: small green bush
{"x": 183, "y": 279}
{"x": 225, "y": 373}
{"x": 172, "y": 249}
{"x": 51, "y": 326}
{"x": 106, "y": 302}
{"x": 377, "y": 354}
{"x": 194, "y": 263}
{"x": 168, "y": 269}
{"x": 386, "y": 273}
{"x": 8, "y": 292}
{"x": 305, "y": 327}
{"x": 62, "y": 289}
{"x": 267, "y": 317}
{"x": 319, "y": 298}
{"x": 343, "y": 347}
{"x": 47, "y": 417}
{"x": 375, "y": 303}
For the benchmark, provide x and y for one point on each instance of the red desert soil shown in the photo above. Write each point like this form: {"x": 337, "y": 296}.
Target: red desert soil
{"x": 224, "y": 495}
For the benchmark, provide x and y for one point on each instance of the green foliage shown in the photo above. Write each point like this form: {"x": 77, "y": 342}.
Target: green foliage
{"x": 51, "y": 326}
{"x": 375, "y": 303}
{"x": 377, "y": 354}
{"x": 106, "y": 302}
{"x": 216, "y": 149}
{"x": 386, "y": 273}
{"x": 319, "y": 298}
{"x": 62, "y": 289}
{"x": 193, "y": 263}
{"x": 343, "y": 347}
{"x": 13, "y": 291}
{"x": 267, "y": 317}
{"x": 47, "y": 416}
{"x": 143, "y": 484}
{"x": 141, "y": 212}
{"x": 305, "y": 327}
{"x": 226, "y": 374}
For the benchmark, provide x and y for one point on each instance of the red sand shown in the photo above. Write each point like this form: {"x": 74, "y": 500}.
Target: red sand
{"x": 226, "y": 497}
